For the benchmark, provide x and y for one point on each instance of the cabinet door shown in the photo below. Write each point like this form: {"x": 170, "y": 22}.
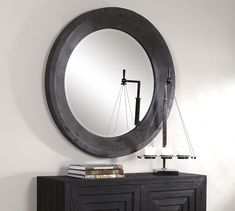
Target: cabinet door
{"x": 173, "y": 197}
{"x": 108, "y": 198}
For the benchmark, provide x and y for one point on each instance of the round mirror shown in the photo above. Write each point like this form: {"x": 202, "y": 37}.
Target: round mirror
{"x": 95, "y": 95}
{"x": 103, "y": 66}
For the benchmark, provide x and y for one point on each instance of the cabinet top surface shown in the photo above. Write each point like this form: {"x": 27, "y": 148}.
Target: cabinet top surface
{"x": 130, "y": 178}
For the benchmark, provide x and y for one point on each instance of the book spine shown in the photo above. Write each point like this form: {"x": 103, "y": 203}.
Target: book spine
{"x": 107, "y": 176}
{"x": 76, "y": 176}
{"x": 84, "y": 168}
{"x": 105, "y": 168}
{"x": 96, "y": 172}
{"x": 97, "y": 176}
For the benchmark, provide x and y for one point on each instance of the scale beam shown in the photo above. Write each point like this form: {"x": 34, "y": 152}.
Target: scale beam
{"x": 168, "y": 155}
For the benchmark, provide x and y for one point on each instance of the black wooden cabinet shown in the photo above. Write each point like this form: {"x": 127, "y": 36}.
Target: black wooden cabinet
{"x": 136, "y": 192}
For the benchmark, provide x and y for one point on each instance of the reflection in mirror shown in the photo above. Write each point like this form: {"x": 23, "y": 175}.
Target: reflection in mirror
{"x": 93, "y": 77}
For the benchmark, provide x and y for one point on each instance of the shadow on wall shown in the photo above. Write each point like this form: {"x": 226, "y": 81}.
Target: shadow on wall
{"x": 21, "y": 189}
{"x": 28, "y": 60}
{"x": 226, "y": 199}
{"x": 230, "y": 204}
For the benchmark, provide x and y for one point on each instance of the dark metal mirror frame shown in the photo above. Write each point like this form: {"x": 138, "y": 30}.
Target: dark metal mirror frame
{"x": 153, "y": 43}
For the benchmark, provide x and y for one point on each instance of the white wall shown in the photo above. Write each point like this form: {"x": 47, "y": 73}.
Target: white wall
{"x": 200, "y": 35}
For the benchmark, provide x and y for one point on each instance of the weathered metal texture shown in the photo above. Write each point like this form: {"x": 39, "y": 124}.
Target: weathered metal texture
{"x": 154, "y": 45}
{"x": 135, "y": 192}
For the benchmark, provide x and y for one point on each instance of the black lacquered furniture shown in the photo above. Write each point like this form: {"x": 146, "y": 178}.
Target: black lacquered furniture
{"x": 136, "y": 192}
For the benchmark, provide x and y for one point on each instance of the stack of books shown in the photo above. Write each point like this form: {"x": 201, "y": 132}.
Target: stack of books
{"x": 96, "y": 171}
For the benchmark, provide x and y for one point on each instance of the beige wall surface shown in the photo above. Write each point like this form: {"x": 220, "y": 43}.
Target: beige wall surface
{"x": 200, "y": 35}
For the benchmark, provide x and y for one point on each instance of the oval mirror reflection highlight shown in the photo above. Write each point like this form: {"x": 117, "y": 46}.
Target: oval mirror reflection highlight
{"x": 95, "y": 95}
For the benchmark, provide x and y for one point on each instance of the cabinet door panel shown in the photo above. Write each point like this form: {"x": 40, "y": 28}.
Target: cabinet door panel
{"x": 107, "y": 198}
{"x": 172, "y": 197}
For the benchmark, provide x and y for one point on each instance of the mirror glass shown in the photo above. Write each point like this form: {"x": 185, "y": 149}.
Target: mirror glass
{"x": 93, "y": 77}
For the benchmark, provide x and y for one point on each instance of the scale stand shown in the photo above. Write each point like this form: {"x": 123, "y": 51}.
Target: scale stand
{"x": 137, "y": 102}
{"x": 117, "y": 106}
{"x": 164, "y": 171}
{"x": 166, "y": 155}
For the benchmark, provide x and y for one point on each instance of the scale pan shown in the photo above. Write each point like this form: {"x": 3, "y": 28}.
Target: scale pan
{"x": 183, "y": 156}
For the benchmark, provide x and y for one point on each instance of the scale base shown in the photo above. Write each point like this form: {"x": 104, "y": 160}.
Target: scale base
{"x": 165, "y": 172}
